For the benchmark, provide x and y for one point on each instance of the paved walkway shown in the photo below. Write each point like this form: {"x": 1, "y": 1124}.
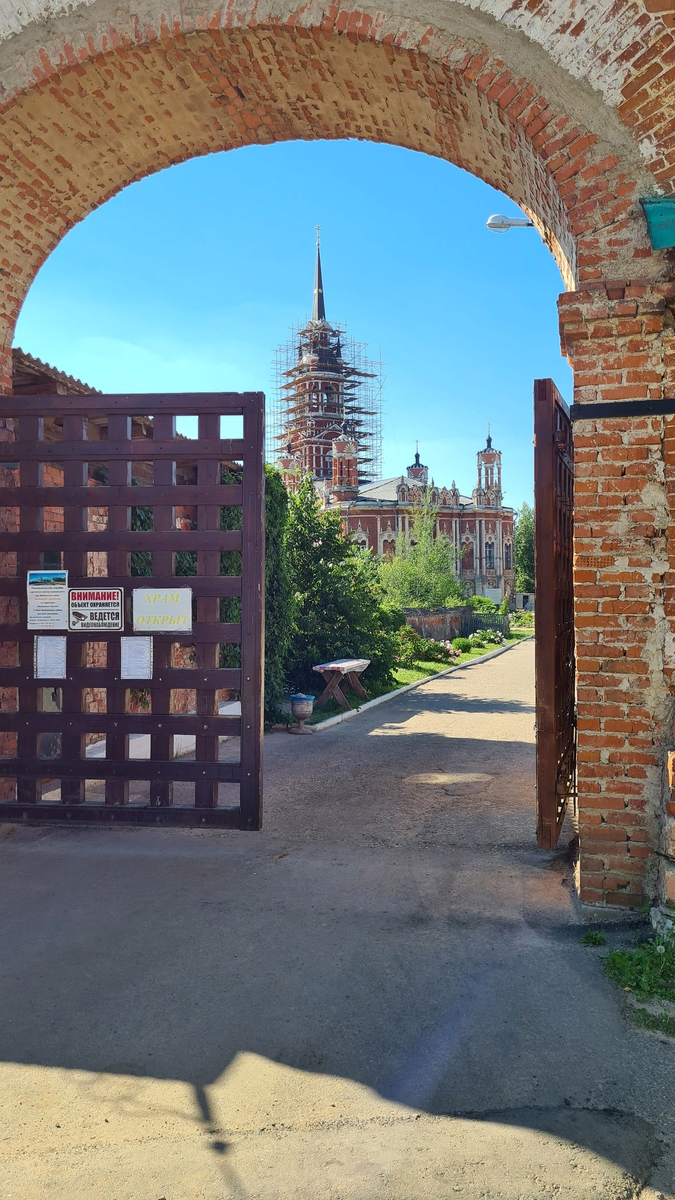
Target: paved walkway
{"x": 380, "y": 997}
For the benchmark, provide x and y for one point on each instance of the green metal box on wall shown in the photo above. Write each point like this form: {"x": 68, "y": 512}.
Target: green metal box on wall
{"x": 660, "y": 214}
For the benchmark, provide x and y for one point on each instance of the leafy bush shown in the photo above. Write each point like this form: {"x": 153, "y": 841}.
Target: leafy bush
{"x": 408, "y": 648}
{"x": 414, "y": 649}
{"x": 422, "y": 572}
{"x": 523, "y": 619}
{"x": 462, "y": 644}
{"x": 487, "y": 637}
{"x": 482, "y": 604}
{"x": 441, "y": 652}
{"x": 340, "y": 609}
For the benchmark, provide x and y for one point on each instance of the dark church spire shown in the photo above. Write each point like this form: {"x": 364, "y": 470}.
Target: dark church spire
{"x": 319, "y": 308}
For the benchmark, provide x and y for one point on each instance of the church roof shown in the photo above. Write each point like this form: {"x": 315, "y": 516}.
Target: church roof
{"x": 382, "y": 489}
{"x": 386, "y": 490}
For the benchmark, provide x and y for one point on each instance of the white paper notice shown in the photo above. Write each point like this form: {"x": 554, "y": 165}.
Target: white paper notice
{"x": 136, "y": 658}
{"x": 47, "y": 599}
{"x": 50, "y": 658}
{"x": 163, "y": 610}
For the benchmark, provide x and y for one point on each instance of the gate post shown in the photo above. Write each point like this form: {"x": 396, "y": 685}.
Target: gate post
{"x": 554, "y": 629}
{"x": 7, "y": 695}
{"x": 618, "y": 337}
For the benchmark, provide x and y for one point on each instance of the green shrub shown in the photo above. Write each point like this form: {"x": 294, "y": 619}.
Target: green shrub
{"x": 523, "y": 619}
{"x": 408, "y": 647}
{"x": 482, "y": 604}
{"x": 462, "y": 644}
{"x": 437, "y": 651}
{"x": 492, "y": 637}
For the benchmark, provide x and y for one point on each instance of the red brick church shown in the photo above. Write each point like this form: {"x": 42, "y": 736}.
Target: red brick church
{"x": 479, "y": 526}
{"x": 324, "y": 425}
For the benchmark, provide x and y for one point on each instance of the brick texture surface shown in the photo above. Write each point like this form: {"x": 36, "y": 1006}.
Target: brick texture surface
{"x": 620, "y": 340}
{"x": 103, "y": 111}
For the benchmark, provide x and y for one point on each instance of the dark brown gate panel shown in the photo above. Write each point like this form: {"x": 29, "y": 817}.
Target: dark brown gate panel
{"x": 202, "y": 501}
{"x": 554, "y": 609}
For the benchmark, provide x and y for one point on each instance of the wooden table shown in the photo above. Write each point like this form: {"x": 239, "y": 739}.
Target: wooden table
{"x": 339, "y": 675}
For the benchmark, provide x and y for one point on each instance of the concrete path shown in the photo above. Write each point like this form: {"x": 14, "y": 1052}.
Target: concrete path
{"x": 380, "y": 997}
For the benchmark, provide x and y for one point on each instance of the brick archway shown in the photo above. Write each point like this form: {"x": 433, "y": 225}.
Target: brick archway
{"x": 93, "y": 112}
{"x": 564, "y": 115}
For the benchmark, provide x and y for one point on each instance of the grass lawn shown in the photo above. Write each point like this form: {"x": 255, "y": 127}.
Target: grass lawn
{"x": 405, "y": 675}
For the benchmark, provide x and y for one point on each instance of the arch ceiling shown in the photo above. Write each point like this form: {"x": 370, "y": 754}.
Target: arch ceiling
{"x": 566, "y": 107}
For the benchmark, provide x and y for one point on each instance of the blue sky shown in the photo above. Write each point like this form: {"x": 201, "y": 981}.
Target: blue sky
{"x": 189, "y": 279}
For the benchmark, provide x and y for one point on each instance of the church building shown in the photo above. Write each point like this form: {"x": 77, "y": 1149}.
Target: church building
{"x": 327, "y": 424}
{"x": 479, "y": 526}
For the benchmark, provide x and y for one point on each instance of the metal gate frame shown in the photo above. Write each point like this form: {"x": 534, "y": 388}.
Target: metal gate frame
{"x": 27, "y": 414}
{"x": 554, "y": 611}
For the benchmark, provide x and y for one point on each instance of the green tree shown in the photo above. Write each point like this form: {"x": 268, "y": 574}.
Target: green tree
{"x": 340, "y": 610}
{"x": 279, "y": 599}
{"x": 523, "y": 539}
{"x": 279, "y": 605}
{"x": 423, "y": 570}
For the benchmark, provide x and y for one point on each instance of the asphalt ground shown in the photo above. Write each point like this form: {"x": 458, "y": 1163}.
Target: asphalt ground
{"x": 381, "y": 996}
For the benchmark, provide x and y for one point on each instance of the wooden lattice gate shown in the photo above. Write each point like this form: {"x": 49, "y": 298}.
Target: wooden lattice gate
{"x": 76, "y": 472}
{"x": 554, "y": 611}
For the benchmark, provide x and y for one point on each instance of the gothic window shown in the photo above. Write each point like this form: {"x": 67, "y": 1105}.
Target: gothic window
{"x": 507, "y": 556}
{"x": 467, "y": 559}
{"x": 489, "y": 556}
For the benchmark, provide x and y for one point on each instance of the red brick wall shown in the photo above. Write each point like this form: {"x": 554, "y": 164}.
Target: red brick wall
{"x": 440, "y": 624}
{"x": 620, "y": 341}
{"x": 90, "y": 112}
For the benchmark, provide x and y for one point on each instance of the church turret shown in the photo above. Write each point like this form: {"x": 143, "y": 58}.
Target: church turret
{"x": 345, "y": 470}
{"x": 488, "y": 493}
{"x": 418, "y": 471}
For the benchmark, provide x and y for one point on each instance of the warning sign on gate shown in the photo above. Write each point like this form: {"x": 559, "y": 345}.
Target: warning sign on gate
{"x": 95, "y": 609}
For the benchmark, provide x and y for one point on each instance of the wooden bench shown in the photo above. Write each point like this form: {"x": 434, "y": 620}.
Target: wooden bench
{"x": 339, "y": 675}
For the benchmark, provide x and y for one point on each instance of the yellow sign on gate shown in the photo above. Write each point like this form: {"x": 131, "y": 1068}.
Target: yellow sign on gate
{"x": 162, "y": 610}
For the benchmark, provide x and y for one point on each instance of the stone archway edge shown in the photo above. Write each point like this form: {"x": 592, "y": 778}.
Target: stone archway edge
{"x": 354, "y": 712}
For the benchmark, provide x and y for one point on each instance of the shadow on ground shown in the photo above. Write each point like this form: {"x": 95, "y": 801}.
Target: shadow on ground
{"x": 382, "y": 932}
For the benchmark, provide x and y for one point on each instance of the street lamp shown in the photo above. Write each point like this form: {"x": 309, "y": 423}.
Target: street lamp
{"x": 500, "y": 224}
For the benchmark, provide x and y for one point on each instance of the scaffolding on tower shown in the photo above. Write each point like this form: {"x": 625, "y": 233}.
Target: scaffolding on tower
{"x": 326, "y": 388}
